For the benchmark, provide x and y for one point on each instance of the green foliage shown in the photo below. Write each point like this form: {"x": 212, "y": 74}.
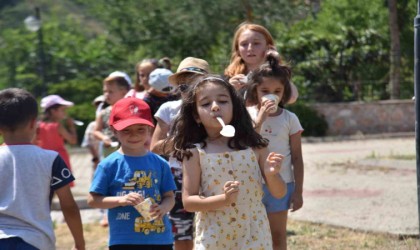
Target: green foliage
{"x": 339, "y": 53}
{"x": 333, "y": 68}
{"x": 312, "y": 123}
{"x": 343, "y": 53}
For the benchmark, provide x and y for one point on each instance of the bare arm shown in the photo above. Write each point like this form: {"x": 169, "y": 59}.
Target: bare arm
{"x": 106, "y": 202}
{"x": 68, "y": 132}
{"x": 270, "y": 165}
{"x": 238, "y": 81}
{"x": 297, "y": 161}
{"x": 159, "y": 136}
{"x": 98, "y": 131}
{"x": 168, "y": 202}
{"x": 263, "y": 113}
{"x": 72, "y": 216}
{"x": 295, "y": 94}
{"x": 191, "y": 187}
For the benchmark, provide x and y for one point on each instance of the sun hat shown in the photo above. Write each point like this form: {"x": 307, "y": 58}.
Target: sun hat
{"x": 191, "y": 65}
{"x": 51, "y": 100}
{"x": 121, "y": 74}
{"x": 100, "y": 98}
{"x": 158, "y": 80}
{"x": 129, "y": 111}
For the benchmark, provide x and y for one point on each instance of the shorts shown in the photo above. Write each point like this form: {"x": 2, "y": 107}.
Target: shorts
{"x": 182, "y": 221}
{"x": 273, "y": 204}
{"x": 15, "y": 243}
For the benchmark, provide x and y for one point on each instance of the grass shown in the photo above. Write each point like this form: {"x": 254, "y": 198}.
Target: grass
{"x": 392, "y": 156}
{"x": 301, "y": 235}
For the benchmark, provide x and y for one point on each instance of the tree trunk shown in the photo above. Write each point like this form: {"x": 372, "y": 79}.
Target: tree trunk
{"x": 395, "y": 54}
{"x": 248, "y": 10}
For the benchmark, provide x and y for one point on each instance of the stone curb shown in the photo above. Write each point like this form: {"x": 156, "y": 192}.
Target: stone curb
{"x": 80, "y": 201}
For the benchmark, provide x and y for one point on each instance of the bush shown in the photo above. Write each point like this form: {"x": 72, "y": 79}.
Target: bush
{"x": 313, "y": 123}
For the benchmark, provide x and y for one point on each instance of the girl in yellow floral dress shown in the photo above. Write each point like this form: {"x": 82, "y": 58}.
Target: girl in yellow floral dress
{"x": 223, "y": 176}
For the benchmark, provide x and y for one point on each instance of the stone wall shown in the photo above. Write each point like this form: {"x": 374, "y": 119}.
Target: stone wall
{"x": 391, "y": 116}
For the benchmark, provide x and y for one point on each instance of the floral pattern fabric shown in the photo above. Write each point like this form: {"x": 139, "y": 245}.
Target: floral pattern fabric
{"x": 244, "y": 224}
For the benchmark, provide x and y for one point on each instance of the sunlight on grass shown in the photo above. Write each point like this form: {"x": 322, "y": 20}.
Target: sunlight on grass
{"x": 306, "y": 235}
{"x": 392, "y": 156}
{"x": 300, "y": 235}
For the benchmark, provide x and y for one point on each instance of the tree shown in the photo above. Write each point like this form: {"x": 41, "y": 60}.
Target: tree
{"x": 395, "y": 53}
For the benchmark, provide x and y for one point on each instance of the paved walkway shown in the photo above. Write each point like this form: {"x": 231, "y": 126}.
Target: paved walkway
{"x": 366, "y": 184}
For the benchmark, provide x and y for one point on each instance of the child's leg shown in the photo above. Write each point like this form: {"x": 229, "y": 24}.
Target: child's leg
{"x": 278, "y": 225}
{"x": 104, "y": 220}
{"x": 183, "y": 245}
{"x": 277, "y": 211}
{"x": 182, "y": 221}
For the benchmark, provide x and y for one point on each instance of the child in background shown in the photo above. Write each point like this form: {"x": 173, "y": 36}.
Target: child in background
{"x": 165, "y": 62}
{"x": 29, "y": 176}
{"x": 130, "y": 175}
{"x": 55, "y": 128}
{"x": 223, "y": 176}
{"x": 250, "y": 47}
{"x": 143, "y": 70}
{"x": 269, "y": 90}
{"x": 89, "y": 140}
{"x": 115, "y": 87}
{"x": 160, "y": 90}
{"x": 182, "y": 221}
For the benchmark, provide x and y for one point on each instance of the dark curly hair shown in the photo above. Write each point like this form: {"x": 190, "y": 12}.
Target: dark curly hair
{"x": 186, "y": 131}
{"x": 271, "y": 69}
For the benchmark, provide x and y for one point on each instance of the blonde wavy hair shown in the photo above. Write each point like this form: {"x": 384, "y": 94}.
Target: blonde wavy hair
{"x": 237, "y": 65}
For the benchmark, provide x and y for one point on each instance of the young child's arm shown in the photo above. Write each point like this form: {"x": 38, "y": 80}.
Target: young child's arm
{"x": 297, "y": 162}
{"x": 270, "y": 165}
{"x": 238, "y": 81}
{"x": 191, "y": 187}
{"x": 68, "y": 131}
{"x": 71, "y": 215}
{"x": 168, "y": 202}
{"x": 98, "y": 131}
{"x": 263, "y": 113}
{"x": 106, "y": 202}
{"x": 159, "y": 136}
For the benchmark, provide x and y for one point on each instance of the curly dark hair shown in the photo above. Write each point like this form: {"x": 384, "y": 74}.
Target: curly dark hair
{"x": 186, "y": 131}
{"x": 271, "y": 69}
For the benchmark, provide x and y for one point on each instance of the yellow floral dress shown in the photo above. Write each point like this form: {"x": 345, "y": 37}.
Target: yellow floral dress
{"x": 242, "y": 225}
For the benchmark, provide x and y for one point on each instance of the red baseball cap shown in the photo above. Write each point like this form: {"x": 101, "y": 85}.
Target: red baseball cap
{"x": 129, "y": 111}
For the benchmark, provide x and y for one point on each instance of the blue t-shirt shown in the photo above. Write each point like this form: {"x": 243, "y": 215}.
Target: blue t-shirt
{"x": 148, "y": 175}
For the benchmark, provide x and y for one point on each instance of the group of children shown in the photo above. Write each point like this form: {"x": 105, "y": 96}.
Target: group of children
{"x": 208, "y": 191}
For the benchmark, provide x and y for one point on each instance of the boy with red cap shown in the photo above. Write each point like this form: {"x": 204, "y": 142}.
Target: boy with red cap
{"x": 128, "y": 176}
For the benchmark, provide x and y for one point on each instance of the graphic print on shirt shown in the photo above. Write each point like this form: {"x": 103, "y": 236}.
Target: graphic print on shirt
{"x": 145, "y": 183}
{"x": 141, "y": 226}
{"x": 61, "y": 175}
{"x": 268, "y": 129}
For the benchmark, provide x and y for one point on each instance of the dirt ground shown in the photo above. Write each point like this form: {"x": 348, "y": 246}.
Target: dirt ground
{"x": 302, "y": 235}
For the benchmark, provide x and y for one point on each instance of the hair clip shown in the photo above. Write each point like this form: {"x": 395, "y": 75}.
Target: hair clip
{"x": 213, "y": 78}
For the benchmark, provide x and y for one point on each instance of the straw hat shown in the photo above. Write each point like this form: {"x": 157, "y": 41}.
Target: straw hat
{"x": 190, "y": 65}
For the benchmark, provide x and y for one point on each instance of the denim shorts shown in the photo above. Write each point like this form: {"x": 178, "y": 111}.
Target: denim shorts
{"x": 273, "y": 204}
